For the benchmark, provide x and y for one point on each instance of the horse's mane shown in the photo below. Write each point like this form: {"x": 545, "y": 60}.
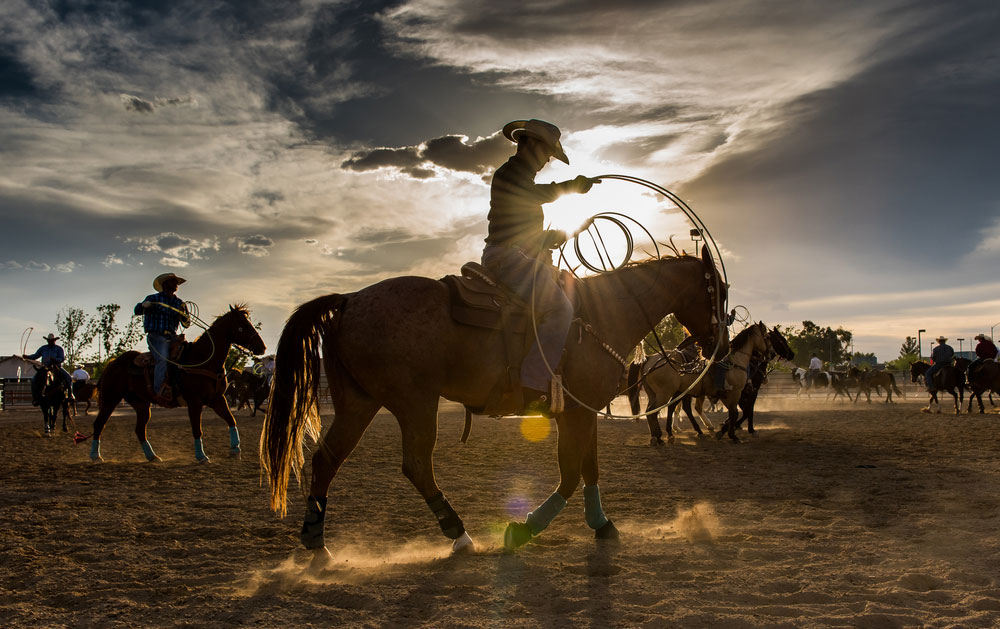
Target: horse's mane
{"x": 741, "y": 338}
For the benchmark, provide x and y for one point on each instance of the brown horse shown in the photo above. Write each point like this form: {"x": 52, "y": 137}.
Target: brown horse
{"x": 948, "y": 378}
{"x": 395, "y": 345}
{"x": 54, "y": 397}
{"x": 84, "y": 392}
{"x": 752, "y": 339}
{"x": 985, "y": 377}
{"x": 867, "y": 380}
{"x": 201, "y": 382}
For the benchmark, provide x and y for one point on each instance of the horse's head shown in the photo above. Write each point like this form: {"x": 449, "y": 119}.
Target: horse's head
{"x": 240, "y": 331}
{"x": 780, "y": 344}
{"x": 917, "y": 369}
{"x": 752, "y": 339}
{"x": 704, "y": 315}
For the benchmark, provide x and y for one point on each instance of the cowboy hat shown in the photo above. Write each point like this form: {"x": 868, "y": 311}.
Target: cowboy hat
{"x": 547, "y": 132}
{"x": 160, "y": 279}
{"x": 50, "y": 337}
{"x": 943, "y": 339}
{"x": 979, "y": 336}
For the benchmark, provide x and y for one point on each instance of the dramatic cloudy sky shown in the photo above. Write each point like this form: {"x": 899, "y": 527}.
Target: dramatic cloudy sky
{"x": 843, "y": 154}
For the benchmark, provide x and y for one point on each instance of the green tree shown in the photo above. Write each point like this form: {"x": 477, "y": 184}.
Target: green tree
{"x": 908, "y": 354}
{"x": 74, "y": 333}
{"x": 114, "y": 341}
{"x": 829, "y": 344}
{"x": 238, "y": 357}
{"x": 670, "y": 332}
{"x": 862, "y": 360}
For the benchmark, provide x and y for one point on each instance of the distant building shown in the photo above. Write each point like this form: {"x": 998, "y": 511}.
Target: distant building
{"x": 9, "y": 366}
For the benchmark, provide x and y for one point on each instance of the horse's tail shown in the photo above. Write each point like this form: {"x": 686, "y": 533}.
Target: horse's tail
{"x": 632, "y": 380}
{"x": 895, "y": 389}
{"x": 293, "y": 410}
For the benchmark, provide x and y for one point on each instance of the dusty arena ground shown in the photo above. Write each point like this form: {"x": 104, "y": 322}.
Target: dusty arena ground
{"x": 835, "y": 515}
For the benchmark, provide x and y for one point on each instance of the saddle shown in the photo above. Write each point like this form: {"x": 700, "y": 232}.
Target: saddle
{"x": 479, "y": 300}
{"x": 143, "y": 364}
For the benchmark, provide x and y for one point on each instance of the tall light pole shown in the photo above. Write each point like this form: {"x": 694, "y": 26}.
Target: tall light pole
{"x": 959, "y": 346}
{"x": 993, "y": 326}
{"x": 920, "y": 346}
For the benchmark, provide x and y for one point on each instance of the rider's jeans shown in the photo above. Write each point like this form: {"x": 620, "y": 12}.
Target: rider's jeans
{"x": 554, "y": 309}
{"x": 929, "y": 376}
{"x": 159, "y": 346}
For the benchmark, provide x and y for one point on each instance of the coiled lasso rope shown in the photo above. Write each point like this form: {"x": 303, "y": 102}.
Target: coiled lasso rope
{"x": 721, "y": 279}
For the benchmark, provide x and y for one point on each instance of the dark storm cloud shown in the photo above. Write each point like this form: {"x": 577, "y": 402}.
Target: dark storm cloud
{"x": 134, "y": 103}
{"x": 254, "y": 245}
{"x": 383, "y": 236}
{"x": 451, "y": 151}
{"x": 16, "y": 78}
{"x": 886, "y": 160}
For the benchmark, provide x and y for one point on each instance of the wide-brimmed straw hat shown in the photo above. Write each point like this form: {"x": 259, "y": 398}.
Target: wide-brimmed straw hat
{"x": 943, "y": 339}
{"x": 979, "y": 336}
{"x": 160, "y": 279}
{"x": 50, "y": 337}
{"x": 538, "y": 129}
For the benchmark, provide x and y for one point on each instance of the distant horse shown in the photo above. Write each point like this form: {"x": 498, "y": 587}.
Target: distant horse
{"x": 663, "y": 377}
{"x": 84, "y": 392}
{"x": 395, "y": 344}
{"x": 875, "y": 379}
{"x": 54, "y": 396}
{"x": 629, "y": 386}
{"x": 986, "y": 377}
{"x": 757, "y": 372}
{"x": 948, "y": 378}
{"x": 201, "y": 382}
{"x": 251, "y": 390}
{"x": 833, "y": 380}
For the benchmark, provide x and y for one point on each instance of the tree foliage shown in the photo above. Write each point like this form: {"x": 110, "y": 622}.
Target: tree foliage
{"x": 74, "y": 333}
{"x": 670, "y": 332}
{"x": 114, "y": 340}
{"x": 909, "y": 353}
{"x": 828, "y": 344}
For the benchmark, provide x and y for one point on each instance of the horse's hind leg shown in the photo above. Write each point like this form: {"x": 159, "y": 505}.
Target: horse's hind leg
{"x": 221, "y": 408}
{"x": 655, "y": 434}
{"x": 354, "y": 412}
{"x": 418, "y": 423}
{"x": 141, "y": 422}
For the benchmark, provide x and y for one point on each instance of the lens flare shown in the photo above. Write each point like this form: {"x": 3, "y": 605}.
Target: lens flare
{"x": 535, "y": 428}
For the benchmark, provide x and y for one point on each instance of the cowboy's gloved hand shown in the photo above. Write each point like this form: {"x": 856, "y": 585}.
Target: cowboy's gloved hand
{"x": 583, "y": 184}
{"x": 147, "y": 304}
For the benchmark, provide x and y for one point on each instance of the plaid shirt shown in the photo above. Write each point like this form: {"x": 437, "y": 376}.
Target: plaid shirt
{"x": 158, "y": 319}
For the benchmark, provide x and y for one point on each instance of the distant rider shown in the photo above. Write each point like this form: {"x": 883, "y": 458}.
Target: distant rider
{"x": 518, "y": 247}
{"x": 815, "y": 366}
{"x": 985, "y": 350}
{"x": 941, "y": 356}
{"x": 51, "y": 355}
{"x": 161, "y": 313}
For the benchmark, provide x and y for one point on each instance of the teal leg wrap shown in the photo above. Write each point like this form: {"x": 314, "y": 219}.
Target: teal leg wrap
{"x": 199, "y": 450}
{"x": 95, "y": 449}
{"x": 234, "y": 438}
{"x": 592, "y": 507}
{"x": 148, "y": 451}
{"x": 539, "y": 519}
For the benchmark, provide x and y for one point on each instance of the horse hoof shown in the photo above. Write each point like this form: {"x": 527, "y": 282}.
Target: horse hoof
{"x": 321, "y": 559}
{"x": 719, "y": 435}
{"x": 463, "y": 544}
{"x": 515, "y": 536}
{"x": 235, "y": 453}
{"x": 670, "y": 439}
{"x": 607, "y": 532}
{"x": 655, "y": 442}
{"x": 204, "y": 460}
{"x": 155, "y": 459}
{"x": 97, "y": 459}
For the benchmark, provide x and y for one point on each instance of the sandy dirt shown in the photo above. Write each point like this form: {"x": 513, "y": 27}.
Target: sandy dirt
{"x": 834, "y": 515}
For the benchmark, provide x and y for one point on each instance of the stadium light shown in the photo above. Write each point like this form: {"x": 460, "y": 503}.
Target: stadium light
{"x": 959, "y": 346}
{"x": 920, "y": 347}
{"x": 991, "y": 328}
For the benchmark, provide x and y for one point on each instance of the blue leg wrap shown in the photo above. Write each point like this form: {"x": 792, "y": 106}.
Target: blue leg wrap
{"x": 199, "y": 450}
{"x": 592, "y": 507}
{"x": 541, "y": 517}
{"x": 148, "y": 451}
{"x": 234, "y": 438}
{"x": 95, "y": 449}
{"x": 451, "y": 524}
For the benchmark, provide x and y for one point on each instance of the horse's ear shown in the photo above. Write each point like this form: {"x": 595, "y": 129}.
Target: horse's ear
{"x": 706, "y": 256}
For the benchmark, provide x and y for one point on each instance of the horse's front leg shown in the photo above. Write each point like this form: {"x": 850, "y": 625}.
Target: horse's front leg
{"x": 194, "y": 414}
{"x": 221, "y": 408}
{"x": 575, "y": 428}
{"x": 652, "y": 419}
{"x": 592, "y": 509}
{"x": 141, "y": 422}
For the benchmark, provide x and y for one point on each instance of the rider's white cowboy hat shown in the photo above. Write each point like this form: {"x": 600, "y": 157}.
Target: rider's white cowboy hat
{"x": 539, "y": 129}
{"x": 50, "y": 337}
{"x": 160, "y": 279}
{"x": 979, "y": 336}
{"x": 943, "y": 339}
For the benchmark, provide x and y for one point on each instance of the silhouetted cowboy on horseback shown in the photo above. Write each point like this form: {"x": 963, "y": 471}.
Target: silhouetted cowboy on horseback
{"x": 161, "y": 313}
{"x": 518, "y": 247}
{"x": 985, "y": 350}
{"x": 52, "y": 356}
{"x": 942, "y": 356}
